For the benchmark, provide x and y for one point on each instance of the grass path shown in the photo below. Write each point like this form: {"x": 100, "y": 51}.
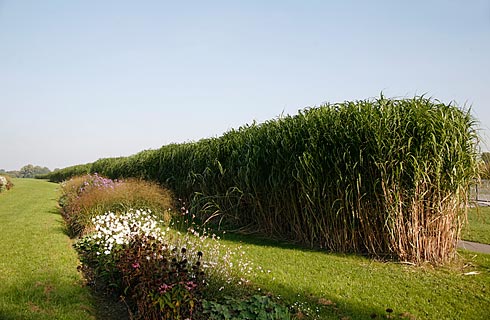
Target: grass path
{"x": 38, "y": 267}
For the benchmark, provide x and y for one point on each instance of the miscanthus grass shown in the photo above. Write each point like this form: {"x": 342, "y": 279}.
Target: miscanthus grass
{"x": 383, "y": 177}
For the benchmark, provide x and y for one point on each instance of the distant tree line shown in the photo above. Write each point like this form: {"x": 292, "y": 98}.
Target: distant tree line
{"x": 27, "y": 171}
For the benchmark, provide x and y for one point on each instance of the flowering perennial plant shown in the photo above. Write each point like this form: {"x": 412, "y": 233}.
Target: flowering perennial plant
{"x": 75, "y": 187}
{"x": 112, "y": 230}
{"x": 226, "y": 269}
{"x": 129, "y": 253}
{"x": 89, "y": 196}
{"x": 161, "y": 283}
{"x": 88, "y": 181}
{"x": 161, "y": 272}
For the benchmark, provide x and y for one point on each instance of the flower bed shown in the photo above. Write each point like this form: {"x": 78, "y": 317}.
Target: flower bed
{"x": 159, "y": 272}
{"x": 165, "y": 274}
{"x": 87, "y": 196}
{"x": 134, "y": 257}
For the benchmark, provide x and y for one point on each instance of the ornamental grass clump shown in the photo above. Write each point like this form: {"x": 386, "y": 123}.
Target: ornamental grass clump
{"x": 88, "y": 196}
{"x": 383, "y": 177}
{"x": 484, "y": 168}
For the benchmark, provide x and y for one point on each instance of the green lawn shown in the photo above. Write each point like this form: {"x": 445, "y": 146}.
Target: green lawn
{"x": 38, "y": 266}
{"x": 356, "y": 287}
{"x": 478, "y": 227}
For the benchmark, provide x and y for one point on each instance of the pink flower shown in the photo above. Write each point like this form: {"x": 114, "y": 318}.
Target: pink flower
{"x": 190, "y": 285}
{"x": 164, "y": 288}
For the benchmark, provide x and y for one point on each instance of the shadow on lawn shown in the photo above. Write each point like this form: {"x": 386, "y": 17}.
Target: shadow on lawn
{"x": 330, "y": 306}
{"x": 52, "y": 299}
{"x": 6, "y": 315}
{"x": 263, "y": 241}
{"x": 42, "y": 301}
{"x": 326, "y": 308}
{"x": 46, "y": 298}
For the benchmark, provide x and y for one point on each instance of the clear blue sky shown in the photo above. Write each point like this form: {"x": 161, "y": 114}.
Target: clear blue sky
{"x": 82, "y": 80}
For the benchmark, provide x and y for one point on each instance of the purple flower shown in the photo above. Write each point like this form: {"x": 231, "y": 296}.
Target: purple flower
{"x": 164, "y": 288}
{"x": 190, "y": 285}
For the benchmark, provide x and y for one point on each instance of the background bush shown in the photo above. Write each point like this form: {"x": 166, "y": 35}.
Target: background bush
{"x": 385, "y": 177}
{"x": 5, "y": 183}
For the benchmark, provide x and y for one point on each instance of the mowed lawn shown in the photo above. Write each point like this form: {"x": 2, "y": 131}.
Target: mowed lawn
{"x": 38, "y": 266}
{"x": 339, "y": 286}
{"x": 478, "y": 227}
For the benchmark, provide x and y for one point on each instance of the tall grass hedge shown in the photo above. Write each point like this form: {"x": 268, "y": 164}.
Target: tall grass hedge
{"x": 385, "y": 177}
{"x": 60, "y": 175}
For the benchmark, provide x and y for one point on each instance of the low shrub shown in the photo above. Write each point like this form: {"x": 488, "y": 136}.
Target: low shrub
{"x": 255, "y": 307}
{"x": 88, "y": 196}
{"x": 5, "y": 183}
